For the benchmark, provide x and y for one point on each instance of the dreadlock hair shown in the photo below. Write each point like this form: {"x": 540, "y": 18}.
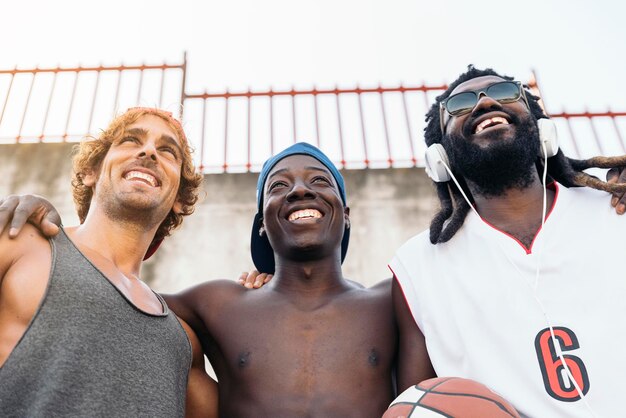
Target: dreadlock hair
{"x": 565, "y": 170}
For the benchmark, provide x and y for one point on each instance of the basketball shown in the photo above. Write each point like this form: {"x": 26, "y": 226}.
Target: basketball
{"x": 449, "y": 397}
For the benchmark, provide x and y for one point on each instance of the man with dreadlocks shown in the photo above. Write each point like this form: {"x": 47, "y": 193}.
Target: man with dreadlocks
{"x": 501, "y": 286}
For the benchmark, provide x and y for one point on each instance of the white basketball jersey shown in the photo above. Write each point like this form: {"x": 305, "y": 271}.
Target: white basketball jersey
{"x": 472, "y": 297}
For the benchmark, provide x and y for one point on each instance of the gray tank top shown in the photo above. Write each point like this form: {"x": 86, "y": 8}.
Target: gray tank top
{"x": 89, "y": 352}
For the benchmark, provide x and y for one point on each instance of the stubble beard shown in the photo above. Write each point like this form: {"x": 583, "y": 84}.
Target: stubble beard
{"x": 130, "y": 210}
{"x": 502, "y": 165}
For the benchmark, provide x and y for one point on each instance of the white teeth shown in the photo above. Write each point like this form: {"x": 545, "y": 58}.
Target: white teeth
{"x": 498, "y": 120}
{"x": 304, "y": 214}
{"x": 142, "y": 176}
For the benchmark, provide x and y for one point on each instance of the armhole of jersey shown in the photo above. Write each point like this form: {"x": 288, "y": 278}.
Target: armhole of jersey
{"x": 177, "y": 319}
{"x": 53, "y": 253}
{"x": 411, "y": 296}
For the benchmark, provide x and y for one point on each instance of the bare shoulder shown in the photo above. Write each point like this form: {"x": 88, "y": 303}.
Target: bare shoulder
{"x": 29, "y": 246}
{"x": 24, "y": 261}
{"x": 384, "y": 286}
{"x": 381, "y": 291}
{"x": 204, "y": 299}
{"x": 215, "y": 290}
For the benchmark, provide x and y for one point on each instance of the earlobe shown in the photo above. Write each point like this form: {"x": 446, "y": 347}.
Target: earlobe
{"x": 261, "y": 228}
{"x": 346, "y": 216}
{"x": 178, "y": 207}
{"x": 89, "y": 179}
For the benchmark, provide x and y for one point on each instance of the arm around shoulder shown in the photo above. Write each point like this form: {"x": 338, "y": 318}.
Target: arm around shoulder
{"x": 17, "y": 210}
{"x": 200, "y": 303}
{"x": 413, "y": 361}
{"x": 202, "y": 395}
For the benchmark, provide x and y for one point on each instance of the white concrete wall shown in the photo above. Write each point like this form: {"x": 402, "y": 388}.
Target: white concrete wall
{"x": 387, "y": 207}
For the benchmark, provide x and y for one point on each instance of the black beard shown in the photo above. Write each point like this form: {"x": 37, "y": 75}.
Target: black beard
{"x": 500, "y": 166}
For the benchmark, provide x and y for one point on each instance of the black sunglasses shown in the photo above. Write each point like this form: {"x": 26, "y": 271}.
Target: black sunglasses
{"x": 464, "y": 102}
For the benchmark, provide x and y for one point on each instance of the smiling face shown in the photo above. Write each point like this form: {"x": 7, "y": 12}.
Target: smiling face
{"x": 489, "y": 120}
{"x": 495, "y": 145}
{"x": 140, "y": 174}
{"x": 303, "y": 214}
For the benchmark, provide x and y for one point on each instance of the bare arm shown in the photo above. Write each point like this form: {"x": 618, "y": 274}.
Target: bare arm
{"x": 24, "y": 271}
{"x": 413, "y": 361}
{"x": 182, "y": 304}
{"x": 199, "y": 303}
{"x": 202, "y": 395}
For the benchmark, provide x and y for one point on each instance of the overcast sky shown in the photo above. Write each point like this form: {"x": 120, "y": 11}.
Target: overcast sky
{"x": 576, "y": 47}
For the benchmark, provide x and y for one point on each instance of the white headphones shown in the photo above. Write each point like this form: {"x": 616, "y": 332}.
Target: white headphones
{"x": 437, "y": 163}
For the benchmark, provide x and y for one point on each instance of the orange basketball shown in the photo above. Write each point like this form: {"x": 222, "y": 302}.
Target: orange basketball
{"x": 450, "y": 397}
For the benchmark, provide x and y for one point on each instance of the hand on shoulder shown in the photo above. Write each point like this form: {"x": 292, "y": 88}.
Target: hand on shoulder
{"x": 254, "y": 279}
{"x": 16, "y": 211}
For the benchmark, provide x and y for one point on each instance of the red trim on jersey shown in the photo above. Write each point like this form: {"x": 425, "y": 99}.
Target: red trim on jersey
{"x": 552, "y": 186}
{"x": 395, "y": 277}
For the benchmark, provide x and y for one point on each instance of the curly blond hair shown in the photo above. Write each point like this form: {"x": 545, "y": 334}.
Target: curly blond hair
{"x": 90, "y": 153}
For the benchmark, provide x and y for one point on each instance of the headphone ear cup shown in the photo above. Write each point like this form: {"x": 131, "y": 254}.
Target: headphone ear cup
{"x": 436, "y": 162}
{"x": 548, "y": 137}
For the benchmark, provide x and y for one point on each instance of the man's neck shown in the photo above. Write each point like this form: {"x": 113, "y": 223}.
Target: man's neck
{"x": 517, "y": 211}
{"x": 121, "y": 243}
{"x": 311, "y": 278}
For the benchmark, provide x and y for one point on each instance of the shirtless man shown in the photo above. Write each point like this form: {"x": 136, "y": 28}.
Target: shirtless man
{"x": 80, "y": 333}
{"x": 322, "y": 346}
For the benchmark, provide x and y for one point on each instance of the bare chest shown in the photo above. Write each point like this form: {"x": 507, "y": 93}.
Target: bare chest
{"x": 282, "y": 339}
{"x": 523, "y": 233}
{"x": 290, "y": 362}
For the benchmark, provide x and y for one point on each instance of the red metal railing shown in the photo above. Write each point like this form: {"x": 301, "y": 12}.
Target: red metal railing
{"x": 593, "y": 139}
{"x": 349, "y": 138}
{"x": 341, "y": 125}
{"x": 359, "y": 127}
{"x": 64, "y": 103}
{"x": 585, "y": 134}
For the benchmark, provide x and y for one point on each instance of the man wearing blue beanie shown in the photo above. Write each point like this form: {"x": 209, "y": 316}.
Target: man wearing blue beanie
{"x": 260, "y": 247}
{"x": 310, "y": 342}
